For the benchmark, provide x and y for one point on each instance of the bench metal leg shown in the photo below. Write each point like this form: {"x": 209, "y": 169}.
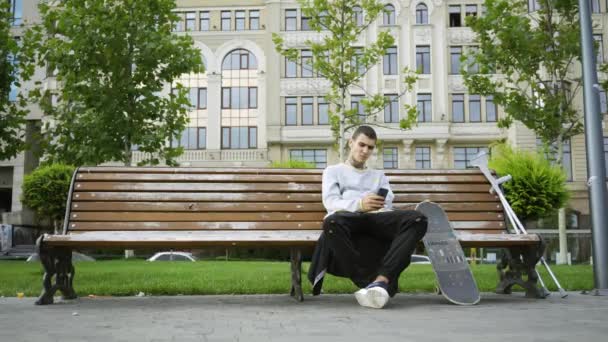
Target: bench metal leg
{"x": 296, "y": 275}
{"x": 57, "y": 263}
{"x": 517, "y": 263}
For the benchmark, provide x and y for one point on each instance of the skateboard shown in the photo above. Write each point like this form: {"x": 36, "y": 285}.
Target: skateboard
{"x": 454, "y": 276}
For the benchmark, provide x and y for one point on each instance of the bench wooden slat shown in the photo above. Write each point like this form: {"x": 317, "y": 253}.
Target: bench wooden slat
{"x": 266, "y": 197}
{"x": 273, "y": 187}
{"x": 200, "y": 196}
{"x": 259, "y": 171}
{"x": 244, "y": 216}
{"x": 246, "y": 206}
{"x": 242, "y": 238}
{"x": 238, "y": 178}
{"x": 302, "y": 225}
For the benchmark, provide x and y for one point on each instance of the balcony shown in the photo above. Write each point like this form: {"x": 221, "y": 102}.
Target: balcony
{"x": 219, "y": 158}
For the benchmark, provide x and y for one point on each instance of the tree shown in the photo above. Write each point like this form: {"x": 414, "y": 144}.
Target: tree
{"x": 534, "y": 54}
{"x": 336, "y": 58}
{"x": 12, "y": 106}
{"x": 46, "y": 191}
{"x": 112, "y": 59}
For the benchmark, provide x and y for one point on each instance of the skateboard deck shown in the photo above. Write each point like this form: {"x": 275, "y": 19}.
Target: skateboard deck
{"x": 454, "y": 276}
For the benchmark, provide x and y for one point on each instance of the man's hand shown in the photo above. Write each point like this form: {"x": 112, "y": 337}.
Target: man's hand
{"x": 372, "y": 202}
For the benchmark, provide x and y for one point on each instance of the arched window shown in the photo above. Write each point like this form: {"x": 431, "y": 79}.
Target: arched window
{"x": 240, "y": 59}
{"x": 239, "y": 114}
{"x": 422, "y": 14}
{"x": 389, "y": 15}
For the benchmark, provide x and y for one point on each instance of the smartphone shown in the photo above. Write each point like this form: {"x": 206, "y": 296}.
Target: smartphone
{"x": 383, "y": 192}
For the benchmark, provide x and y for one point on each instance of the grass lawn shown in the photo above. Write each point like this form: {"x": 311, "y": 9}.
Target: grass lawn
{"x": 125, "y": 278}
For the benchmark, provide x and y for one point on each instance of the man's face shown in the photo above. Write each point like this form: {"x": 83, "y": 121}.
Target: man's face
{"x": 361, "y": 148}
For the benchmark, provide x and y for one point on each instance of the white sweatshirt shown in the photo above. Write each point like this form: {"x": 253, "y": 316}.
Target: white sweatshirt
{"x": 345, "y": 186}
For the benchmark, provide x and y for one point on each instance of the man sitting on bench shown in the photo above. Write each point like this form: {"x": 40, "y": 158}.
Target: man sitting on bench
{"x": 363, "y": 238}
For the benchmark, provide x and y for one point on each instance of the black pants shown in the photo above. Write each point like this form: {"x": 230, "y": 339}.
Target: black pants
{"x": 401, "y": 229}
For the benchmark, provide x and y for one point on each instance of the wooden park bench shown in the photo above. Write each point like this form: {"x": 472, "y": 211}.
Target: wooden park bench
{"x": 123, "y": 207}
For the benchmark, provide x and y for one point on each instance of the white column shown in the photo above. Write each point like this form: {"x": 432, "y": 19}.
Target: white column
{"x": 407, "y": 154}
{"x": 214, "y": 107}
{"x": 262, "y": 141}
{"x": 440, "y": 158}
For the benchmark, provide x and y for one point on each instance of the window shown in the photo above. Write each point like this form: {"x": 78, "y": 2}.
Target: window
{"x": 455, "y": 54}
{"x": 305, "y": 23}
{"x": 254, "y": 20}
{"x": 239, "y": 137}
{"x": 307, "y": 110}
{"x": 239, "y": 20}
{"x": 178, "y": 26}
{"x": 424, "y": 108}
{"x": 192, "y": 138}
{"x": 239, "y": 97}
{"x": 455, "y": 20}
{"x": 356, "y": 63}
{"x": 306, "y": 63}
{"x": 202, "y": 98}
{"x": 471, "y": 10}
{"x": 566, "y": 158}
{"x": 291, "y": 111}
{"x": 464, "y": 155}
{"x": 316, "y": 157}
{"x": 226, "y": 18}
{"x": 204, "y": 21}
{"x": 14, "y": 90}
{"x": 323, "y": 108}
{"x": 253, "y": 97}
{"x": 606, "y": 154}
{"x": 290, "y": 68}
{"x": 457, "y": 108}
{"x": 391, "y": 111}
{"x": 423, "y": 59}
{"x": 190, "y": 21}
{"x": 16, "y": 8}
{"x": 390, "y": 158}
{"x": 423, "y": 157}
{"x": 533, "y": 5}
{"x": 595, "y": 6}
{"x": 240, "y": 60}
{"x": 422, "y": 14}
{"x": 193, "y": 97}
{"x": 390, "y": 61}
{"x": 291, "y": 20}
{"x": 358, "y": 15}
{"x": 474, "y": 108}
{"x": 603, "y": 102}
{"x": 202, "y": 138}
{"x": 355, "y": 103}
{"x": 599, "y": 45}
{"x": 491, "y": 112}
{"x": 472, "y": 65}
{"x": 389, "y": 15}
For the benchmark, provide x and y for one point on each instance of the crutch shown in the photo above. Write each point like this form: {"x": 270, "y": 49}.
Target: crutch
{"x": 481, "y": 161}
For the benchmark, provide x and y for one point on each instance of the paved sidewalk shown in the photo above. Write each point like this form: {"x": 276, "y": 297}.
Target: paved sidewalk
{"x": 409, "y": 317}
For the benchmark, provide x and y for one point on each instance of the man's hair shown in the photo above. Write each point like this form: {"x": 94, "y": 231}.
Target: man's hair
{"x": 368, "y": 131}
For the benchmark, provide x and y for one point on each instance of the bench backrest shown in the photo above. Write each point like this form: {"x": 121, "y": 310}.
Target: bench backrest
{"x": 168, "y": 199}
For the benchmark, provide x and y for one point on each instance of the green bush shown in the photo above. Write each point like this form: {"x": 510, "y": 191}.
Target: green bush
{"x": 537, "y": 187}
{"x": 292, "y": 164}
{"x": 46, "y": 191}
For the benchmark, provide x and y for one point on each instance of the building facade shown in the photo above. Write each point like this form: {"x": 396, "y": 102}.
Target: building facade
{"x": 251, "y": 106}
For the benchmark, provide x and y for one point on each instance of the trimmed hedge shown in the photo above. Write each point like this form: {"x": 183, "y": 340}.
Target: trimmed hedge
{"x": 537, "y": 187}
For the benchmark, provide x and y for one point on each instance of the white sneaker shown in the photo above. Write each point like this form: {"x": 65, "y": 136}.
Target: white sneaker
{"x": 374, "y": 297}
